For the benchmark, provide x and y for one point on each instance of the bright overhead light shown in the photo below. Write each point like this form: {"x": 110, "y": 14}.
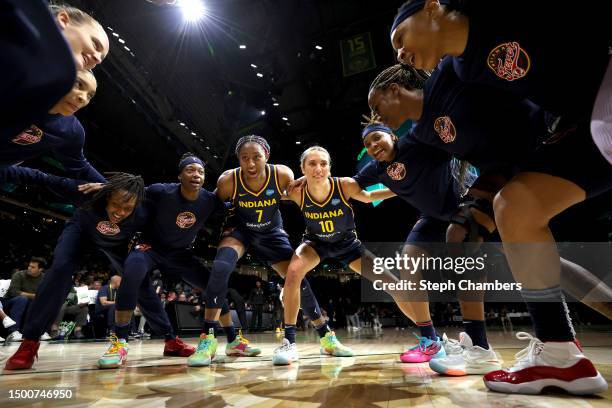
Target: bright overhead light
{"x": 127, "y": 49}
{"x": 259, "y": 74}
{"x": 193, "y": 133}
{"x": 275, "y": 104}
{"x": 122, "y": 41}
{"x": 109, "y": 28}
{"x": 182, "y": 123}
{"x": 263, "y": 112}
{"x": 285, "y": 118}
{"x": 253, "y": 65}
{"x": 318, "y": 47}
{"x": 193, "y": 10}
{"x": 242, "y": 46}
{"x": 116, "y": 35}
{"x": 298, "y": 142}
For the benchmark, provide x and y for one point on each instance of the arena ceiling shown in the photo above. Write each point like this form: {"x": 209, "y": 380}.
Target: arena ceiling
{"x": 168, "y": 86}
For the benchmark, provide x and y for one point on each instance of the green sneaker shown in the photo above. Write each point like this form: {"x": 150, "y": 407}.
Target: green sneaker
{"x": 116, "y": 355}
{"x": 240, "y": 348}
{"x": 205, "y": 352}
{"x": 330, "y": 345}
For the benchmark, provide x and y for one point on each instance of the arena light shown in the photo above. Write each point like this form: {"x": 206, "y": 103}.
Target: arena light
{"x": 263, "y": 112}
{"x": 318, "y": 47}
{"x": 193, "y": 10}
{"x": 253, "y": 65}
{"x": 259, "y": 74}
{"x": 275, "y": 104}
{"x": 242, "y": 47}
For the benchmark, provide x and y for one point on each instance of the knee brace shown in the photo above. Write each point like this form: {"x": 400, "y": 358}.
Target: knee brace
{"x": 223, "y": 266}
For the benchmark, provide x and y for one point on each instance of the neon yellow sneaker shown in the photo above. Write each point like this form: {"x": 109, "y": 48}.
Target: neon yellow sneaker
{"x": 205, "y": 352}
{"x": 330, "y": 345}
{"x": 240, "y": 347}
{"x": 116, "y": 355}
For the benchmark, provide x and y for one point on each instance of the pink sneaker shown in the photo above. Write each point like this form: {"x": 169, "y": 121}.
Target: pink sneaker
{"x": 426, "y": 350}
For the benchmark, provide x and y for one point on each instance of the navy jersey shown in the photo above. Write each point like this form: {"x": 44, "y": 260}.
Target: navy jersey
{"x": 487, "y": 127}
{"x": 37, "y": 64}
{"x": 63, "y": 135}
{"x": 330, "y": 221}
{"x": 559, "y": 68}
{"x": 257, "y": 210}
{"x": 176, "y": 221}
{"x": 419, "y": 174}
{"x": 103, "y": 234}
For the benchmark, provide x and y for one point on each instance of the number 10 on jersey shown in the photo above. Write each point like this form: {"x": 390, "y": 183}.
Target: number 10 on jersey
{"x": 327, "y": 226}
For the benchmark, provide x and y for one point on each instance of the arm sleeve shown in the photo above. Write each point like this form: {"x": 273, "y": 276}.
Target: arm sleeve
{"x": 62, "y": 186}
{"x": 72, "y": 157}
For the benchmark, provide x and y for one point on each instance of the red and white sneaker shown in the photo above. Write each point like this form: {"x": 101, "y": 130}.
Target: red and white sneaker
{"x": 550, "y": 364}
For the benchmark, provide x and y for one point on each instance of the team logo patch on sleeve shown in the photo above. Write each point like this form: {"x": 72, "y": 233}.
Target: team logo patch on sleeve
{"x": 397, "y": 171}
{"x": 30, "y": 136}
{"x": 185, "y": 219}
{"x": 446, "y": 129}
{"x": 509, "y": 61}
{"x": 108, "y": 228}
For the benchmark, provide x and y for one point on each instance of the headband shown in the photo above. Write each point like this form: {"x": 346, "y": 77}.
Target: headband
{"x": 375, "y": 127}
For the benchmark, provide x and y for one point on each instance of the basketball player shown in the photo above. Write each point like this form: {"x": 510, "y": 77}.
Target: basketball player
{"x": 107, "y": 223}
{"x": 59, "y": 132}
{"x": 330, "y": 234}
{"x": 523, "y": 61}
{"x": 177, "y": 211}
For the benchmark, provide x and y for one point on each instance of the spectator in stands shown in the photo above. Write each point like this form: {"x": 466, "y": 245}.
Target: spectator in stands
{"x": 21, "y": 291}
{"x": 105, "y": 303}
{"x": 75, "y": 307}
{"x": 96, "y": 285}
{"x": 182, "y": 297}
{"x": 257, "y": 299}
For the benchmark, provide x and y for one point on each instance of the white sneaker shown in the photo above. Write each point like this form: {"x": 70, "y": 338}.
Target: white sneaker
{"x": 285, "y": 354}
{"x": 45, "y": 337}
{"x": 8, "y": 322}
{"x": 551, "y": 364}
{"x": 1, "y": 339}
{"x": 451, "y": 346}
{"x": 14, "y": 336}
{"x": 465, "y": 358}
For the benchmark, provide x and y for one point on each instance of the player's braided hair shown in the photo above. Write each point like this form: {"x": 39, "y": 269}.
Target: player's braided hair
{"x": 133, "y": 185}
{"x": 253, "y": 139}
{"x": 404, "y": 75}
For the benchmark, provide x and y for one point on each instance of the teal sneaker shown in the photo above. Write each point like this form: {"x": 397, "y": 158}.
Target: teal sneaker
{"x": 205, "y": 352}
